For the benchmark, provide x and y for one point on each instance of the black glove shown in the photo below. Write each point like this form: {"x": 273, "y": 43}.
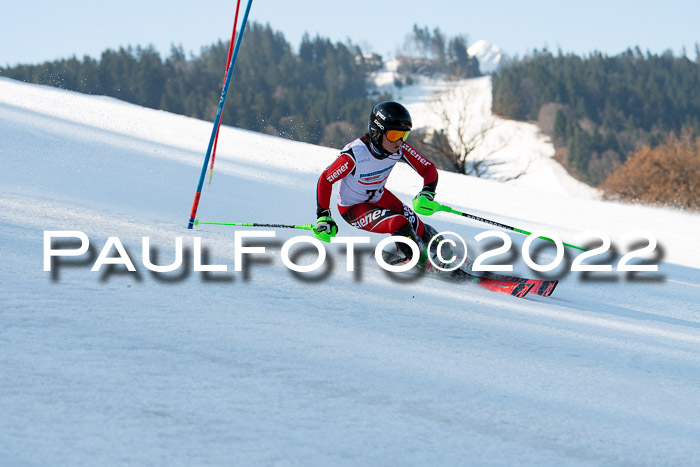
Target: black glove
{"x": 426, "y": 192}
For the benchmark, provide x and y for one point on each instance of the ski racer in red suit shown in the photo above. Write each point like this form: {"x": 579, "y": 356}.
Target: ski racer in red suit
{"x": 362, "y": 170}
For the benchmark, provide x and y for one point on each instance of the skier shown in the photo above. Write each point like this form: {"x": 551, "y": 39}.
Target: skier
{"x": 362, "y": 168}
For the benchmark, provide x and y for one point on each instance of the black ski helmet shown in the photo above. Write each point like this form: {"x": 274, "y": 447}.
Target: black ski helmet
{"x": 386, "y": 116}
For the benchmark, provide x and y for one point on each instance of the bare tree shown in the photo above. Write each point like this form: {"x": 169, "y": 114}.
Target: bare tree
{"x": 467, "y": 143}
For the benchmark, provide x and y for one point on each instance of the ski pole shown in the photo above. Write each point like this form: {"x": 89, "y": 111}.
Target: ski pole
{"x": 256, "y": 224}
{"x": 444, "y": 208}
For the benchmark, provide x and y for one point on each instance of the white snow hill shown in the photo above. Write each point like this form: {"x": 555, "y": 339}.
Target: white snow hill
{"x": 334, "y": 367}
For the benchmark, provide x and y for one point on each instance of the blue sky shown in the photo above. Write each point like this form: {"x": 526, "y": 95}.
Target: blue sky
{"x": 32, "y": 32}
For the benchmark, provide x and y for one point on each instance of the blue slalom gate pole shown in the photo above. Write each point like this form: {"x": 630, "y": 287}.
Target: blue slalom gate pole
{"x": 224, "y": 92}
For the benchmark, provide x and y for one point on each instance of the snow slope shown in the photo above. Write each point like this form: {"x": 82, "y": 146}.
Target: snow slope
{"x": 266, "y": 366}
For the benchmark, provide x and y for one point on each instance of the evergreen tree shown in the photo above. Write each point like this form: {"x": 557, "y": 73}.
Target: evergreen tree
{"x": 625, "y": 101}
{"x": 560, "y": 123}
{"x": 150, "y": 77}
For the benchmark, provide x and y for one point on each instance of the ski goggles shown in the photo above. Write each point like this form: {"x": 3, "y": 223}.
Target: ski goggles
{"x": 395, "y": 135}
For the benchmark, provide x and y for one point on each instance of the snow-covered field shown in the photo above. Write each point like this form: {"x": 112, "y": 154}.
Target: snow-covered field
{"x": 266, "y": 366}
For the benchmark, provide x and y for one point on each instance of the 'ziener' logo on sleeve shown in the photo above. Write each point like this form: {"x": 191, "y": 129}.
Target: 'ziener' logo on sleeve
{"x": 338, "y": 172}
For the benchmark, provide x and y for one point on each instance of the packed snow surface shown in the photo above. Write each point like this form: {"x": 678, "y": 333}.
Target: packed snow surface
{"x": 333, "y": 367}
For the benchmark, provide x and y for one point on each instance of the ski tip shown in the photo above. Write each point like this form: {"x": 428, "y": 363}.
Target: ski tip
{"x": 522, "y": 289}
{"x": 546, "y": 288}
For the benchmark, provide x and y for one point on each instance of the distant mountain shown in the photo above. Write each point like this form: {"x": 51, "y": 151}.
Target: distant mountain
{"x": 489, "y": 55}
